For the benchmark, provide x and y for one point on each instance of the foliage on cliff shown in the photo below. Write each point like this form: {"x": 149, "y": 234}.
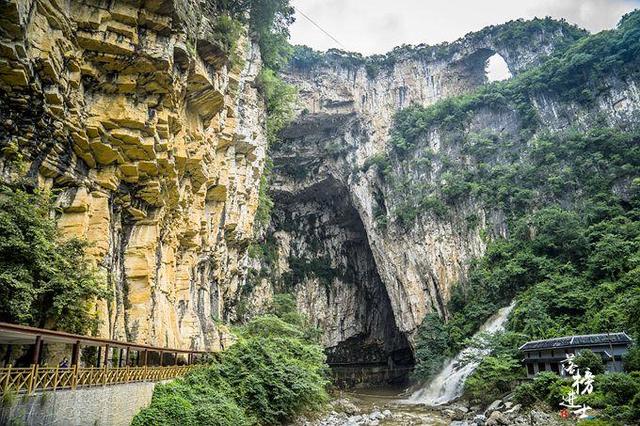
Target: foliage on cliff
{"x": 577, "y": 74}
{"x": 275, "y": 371}
{"x": 513, "y": 33}
{"x": 268, "y": 22}
{"x": 582, "y": 185}
{"x": 571, "y": 257}
{"x": 44, "y": 280}
{"x": 280, "y": 98}
{"x": 432, "y": 347}
{"x": 571, "y": 261}
{"x": 571, "y": 200}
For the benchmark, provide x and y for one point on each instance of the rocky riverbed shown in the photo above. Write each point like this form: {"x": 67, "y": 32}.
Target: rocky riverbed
{"x": 388, "y": 407}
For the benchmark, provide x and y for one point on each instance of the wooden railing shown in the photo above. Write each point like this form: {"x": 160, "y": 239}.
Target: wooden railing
{"x": 38, "y": 378}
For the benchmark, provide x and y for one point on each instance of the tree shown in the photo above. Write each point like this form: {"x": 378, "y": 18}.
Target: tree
{"x": 269, "y": 21}
{"x": 44, "y": 280}
{"x": 587, "y": 359}
{"x": 432, "y": 347}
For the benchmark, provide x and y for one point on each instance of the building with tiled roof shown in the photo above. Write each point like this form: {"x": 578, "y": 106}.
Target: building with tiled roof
{"x": 547, "y": 355}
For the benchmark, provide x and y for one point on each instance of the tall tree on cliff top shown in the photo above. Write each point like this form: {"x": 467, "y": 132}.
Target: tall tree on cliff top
{"x": 269, "y": 21}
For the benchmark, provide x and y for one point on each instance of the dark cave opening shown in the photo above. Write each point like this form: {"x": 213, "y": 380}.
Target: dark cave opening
{"x": 328, "y": 242}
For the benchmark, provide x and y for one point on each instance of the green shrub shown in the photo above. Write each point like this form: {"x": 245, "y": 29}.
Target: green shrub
{"x": 618, "y": 388}
{"x": 44, "y": 279}
{"x": 634, "y": 408}
{"x": 545, "y": 387}
{"x": 211, "y": 409}
{"x": 594, "y": 422}
{"x": 632, "y": 359}
{"x": 558, "y": 390}
{"x": 587, "y": 359}
{"x": 615, "y": 394}
{"x": 494, "y": 377}
{"x": 526, "y": 394}
{"x": 275, "y": 378}
{"x": 432, "y": 344}
{"x": 266, "y": 325}
{"x": 220, "y": 413}
{"x": 597, "y": 399}
{"x": 272, "y": 373}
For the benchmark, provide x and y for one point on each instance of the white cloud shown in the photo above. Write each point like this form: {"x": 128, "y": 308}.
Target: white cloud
{"x": 376, "y": 26}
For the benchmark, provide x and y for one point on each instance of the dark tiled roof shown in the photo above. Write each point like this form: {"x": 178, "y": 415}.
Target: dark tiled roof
{"x": 578, "y": 341}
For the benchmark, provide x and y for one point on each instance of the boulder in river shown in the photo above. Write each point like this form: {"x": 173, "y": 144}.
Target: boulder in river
{"x": 497, "y": 419}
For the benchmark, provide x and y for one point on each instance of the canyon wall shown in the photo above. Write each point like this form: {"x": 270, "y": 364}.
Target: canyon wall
{"x": 151, "y": 135}
{"x": 334, "y": 241}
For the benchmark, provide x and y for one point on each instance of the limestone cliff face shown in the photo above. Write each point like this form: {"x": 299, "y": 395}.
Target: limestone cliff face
{"x": 327, "y": 195}
{"x": 154, "y": 141}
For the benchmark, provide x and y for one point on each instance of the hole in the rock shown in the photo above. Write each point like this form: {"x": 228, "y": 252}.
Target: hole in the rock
{"x": 496, "y": 68}
{"x": 328, "y": 231}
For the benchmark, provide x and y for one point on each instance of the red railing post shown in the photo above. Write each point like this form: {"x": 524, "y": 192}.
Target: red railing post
{"x": 75, "y": 355}
{"x": 36, "y": 350}
{"x": 106, "y": 356}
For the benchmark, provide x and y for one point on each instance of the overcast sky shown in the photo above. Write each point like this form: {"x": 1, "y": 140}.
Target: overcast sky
{"x": 376, "y": 26}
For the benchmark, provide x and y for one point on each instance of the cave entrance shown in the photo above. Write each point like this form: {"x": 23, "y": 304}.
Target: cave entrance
{"x": 496, "y": 68}
{"x": 333, "y": 273}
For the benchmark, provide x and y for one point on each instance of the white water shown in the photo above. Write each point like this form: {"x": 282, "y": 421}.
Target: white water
{"x": 448, "y": 384}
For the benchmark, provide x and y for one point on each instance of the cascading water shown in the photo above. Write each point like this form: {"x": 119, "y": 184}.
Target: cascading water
{"x": 449, "y": 383}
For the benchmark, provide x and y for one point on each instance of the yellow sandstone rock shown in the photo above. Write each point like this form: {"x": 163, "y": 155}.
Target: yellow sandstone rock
{"x": 139, "y": 133}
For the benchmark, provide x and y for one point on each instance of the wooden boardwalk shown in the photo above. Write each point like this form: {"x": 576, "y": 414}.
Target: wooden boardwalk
{"x": 113, "y": 362}
{"x": 40, "y": 379}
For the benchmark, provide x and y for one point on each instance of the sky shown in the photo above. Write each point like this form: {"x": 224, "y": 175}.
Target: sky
{"x": 377, "y": 26}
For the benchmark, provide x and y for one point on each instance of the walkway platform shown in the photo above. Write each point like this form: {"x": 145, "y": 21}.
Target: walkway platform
{"x": 116, "y": 362}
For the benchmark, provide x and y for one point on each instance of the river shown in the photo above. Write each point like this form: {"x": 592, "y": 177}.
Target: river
{"x": 388, "y": 406}
{"x": 432, "y": 404}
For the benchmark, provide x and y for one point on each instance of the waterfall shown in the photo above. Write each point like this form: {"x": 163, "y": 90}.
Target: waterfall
{"x": 449, "y": 383}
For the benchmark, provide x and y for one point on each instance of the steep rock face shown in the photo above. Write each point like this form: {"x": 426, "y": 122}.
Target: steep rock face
{"x": 153, "y": 138}
{"x": 329, "y": 153}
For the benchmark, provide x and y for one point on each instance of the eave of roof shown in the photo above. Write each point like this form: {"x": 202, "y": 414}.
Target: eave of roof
{"x": 578, "y": 341}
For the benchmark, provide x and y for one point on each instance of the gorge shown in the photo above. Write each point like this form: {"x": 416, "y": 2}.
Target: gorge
{"x": 338, "y": 151}
{"x": 400, "y": 197}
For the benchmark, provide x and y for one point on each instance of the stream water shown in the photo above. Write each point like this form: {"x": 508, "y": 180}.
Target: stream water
{"x": 449, "y": 383}
{"x": 430, "y": 405}
{"x": 391, "y": 399}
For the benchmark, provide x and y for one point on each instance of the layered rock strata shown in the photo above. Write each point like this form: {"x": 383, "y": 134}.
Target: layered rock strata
{"x": 153, "y": 139}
